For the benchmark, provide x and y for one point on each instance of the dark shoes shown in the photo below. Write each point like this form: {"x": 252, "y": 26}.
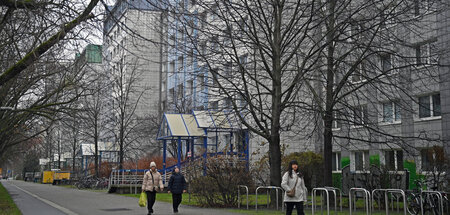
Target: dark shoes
{"x": 175, "y": 212}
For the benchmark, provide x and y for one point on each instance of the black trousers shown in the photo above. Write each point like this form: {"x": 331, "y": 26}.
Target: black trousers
{"x": 176, "y": 199}
{"x": 290, "y": 208}
{"x": 151, "y": 197}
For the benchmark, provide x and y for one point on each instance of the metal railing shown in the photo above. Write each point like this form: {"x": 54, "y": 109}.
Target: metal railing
{"x": 435, "y": 193}
{"x": 334, "y": 189}
{"x": 268, "y": 196}
{"x": 386, "y": 199}
{"x": 239, "y": 195}
{"x": 367, "y": 199}
{"x": 325, "y": 190}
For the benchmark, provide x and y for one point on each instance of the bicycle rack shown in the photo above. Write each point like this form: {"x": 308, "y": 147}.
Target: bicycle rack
{"x": 268, "y": 189}
{"x": 367, "y": 198}
{"x": 436, "y": 193}
{"x": 239, "y": 195}
{"x": 314, "y": 191}
{"x": 340, "y": 196}
{"x": 386, "y": 192}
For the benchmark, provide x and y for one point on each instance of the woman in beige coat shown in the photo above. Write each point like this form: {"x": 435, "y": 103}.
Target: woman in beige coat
{"x": 293, "y": 180}
{"x": 152, "y": 183}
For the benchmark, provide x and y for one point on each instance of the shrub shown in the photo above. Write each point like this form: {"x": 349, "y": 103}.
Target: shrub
{"x": 219, "y": 187}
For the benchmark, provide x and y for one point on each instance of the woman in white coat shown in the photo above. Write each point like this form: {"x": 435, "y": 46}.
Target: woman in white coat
{"x": 296, "y": 192}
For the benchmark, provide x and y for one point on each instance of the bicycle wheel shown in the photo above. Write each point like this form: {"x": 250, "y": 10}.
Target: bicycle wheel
{"x": 433, "y": 205}
{"x": 413, "y": 204}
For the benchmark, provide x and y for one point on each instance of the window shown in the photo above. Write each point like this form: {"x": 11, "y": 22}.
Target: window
{"x": 201, "y": 82}
{"x": 180, "y": 91}
{"x": 336, "y": 161}
{"x": 243, "y": 60}
{"x": 387, "y": 16}
{"x": 360, "y": 115}
{"x": 361, "y": 160}
{"x": 355, "y": 30}
{"x": 228, "y": 70}
{"x": 214, "y": 105}
{"x": 190, "y": 87}
{"x": 424, "y": 53}
{"x": 172, "y": 67}
{"x": 336, "y": 122}
{"x": 172, "y": 94}
{"x": 391, "y": 112}
{"x": 358, "y": 74}
{"x": 228, "y": 104}
{"x": 180, "y": 63}
{"x": 422, "y": 6}
{"x": 394, "y": 160}
{"x": 214, "y": 12}
{"x": 203, "y": 47}
{"x": 431, "y": 158}
{"x": 430, "y": 106}
{"x": 386, "y": 63}
{"x": 215, "y": 77}
{"x": 214, "y": 43}
{"x": 203, "y": 18}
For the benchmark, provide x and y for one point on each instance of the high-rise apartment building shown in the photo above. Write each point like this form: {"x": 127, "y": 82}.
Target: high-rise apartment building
{"x": 132, "y": 51}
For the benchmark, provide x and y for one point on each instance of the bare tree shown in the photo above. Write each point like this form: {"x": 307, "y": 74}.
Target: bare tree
{"x": 249, "y": 50}
{"x": 31, "y": 32}
{"x": 368, "y": 58}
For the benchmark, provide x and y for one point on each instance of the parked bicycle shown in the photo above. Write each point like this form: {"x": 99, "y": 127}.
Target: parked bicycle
{"x": 90, "y": 182}
{"x": 429, "y": 202}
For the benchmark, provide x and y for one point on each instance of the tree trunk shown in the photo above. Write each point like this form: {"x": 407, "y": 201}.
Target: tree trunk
{"x": 328, "y": 115}
{"x": 96, "y": 149}
{"x": 328, "y": 149}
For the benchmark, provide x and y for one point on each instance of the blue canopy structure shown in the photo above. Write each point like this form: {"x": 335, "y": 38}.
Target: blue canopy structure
{"x": 188, "y": 127}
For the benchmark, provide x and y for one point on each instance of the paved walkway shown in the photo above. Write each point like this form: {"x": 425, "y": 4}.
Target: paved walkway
{"x": 36, "y": 199}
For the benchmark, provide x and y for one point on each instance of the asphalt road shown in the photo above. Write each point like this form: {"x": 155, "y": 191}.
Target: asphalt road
{"x": 36, "y": 199}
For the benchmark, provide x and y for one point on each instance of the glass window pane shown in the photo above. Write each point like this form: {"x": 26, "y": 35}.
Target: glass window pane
{"x": 424, "y": 106}
{"x": 365, "y": 114}
{"x": 397, "y": 116}
{"x": 387, "y": 112}
{"x": 437, "y": 105}
{"x": 390, "y": 161}
{"x": 400, "y": 160}
{"x": 386, "y": 63}
{"x": 358, "y": 161}
{"x": 333, "y": 162}
{"x": 339, "y": 161}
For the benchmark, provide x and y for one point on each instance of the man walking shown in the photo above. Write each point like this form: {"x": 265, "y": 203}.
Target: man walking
{"x": 152, "y": 183}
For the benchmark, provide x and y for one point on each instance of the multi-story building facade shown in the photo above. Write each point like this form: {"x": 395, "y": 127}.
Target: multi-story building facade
{"x": 379, "y": 123}
{"x": 132, "y": 52}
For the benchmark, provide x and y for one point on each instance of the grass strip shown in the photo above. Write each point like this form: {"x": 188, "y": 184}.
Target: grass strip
{"x": 7, "y": 205}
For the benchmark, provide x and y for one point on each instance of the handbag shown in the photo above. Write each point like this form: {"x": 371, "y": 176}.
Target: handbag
{"x": 143, "y": 200}
{"x": 291, "y": 193}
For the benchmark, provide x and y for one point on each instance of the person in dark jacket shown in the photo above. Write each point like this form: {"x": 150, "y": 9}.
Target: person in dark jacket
{"x": 177, "y": 186}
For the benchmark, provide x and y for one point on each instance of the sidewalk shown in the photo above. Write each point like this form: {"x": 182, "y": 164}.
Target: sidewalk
{"x": 32, "y": 198}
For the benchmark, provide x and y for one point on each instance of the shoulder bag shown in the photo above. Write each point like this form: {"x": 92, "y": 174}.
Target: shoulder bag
{"x": 291, "y": 193}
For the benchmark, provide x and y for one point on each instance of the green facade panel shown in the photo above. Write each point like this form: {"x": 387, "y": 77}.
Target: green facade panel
{"x": 375, "y": 160}
{"x": 345, "y": 161}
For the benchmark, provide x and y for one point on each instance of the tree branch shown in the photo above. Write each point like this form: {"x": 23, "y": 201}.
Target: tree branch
{"x": 32, "y": 56}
